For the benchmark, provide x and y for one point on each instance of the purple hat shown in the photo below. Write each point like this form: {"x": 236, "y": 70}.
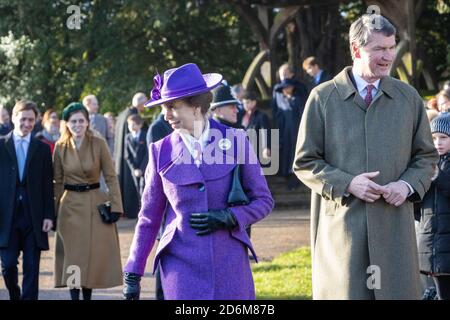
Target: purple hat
{"x": 181, "y": 82}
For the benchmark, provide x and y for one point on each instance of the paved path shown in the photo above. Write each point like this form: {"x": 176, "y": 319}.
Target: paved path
{"x": 281, "y": 231}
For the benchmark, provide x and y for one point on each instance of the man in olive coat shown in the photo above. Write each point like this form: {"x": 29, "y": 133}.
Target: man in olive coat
{"x": 365, "y": 149}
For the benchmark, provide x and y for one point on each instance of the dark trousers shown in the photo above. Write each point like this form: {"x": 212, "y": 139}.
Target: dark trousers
{"x": 21, "y": 239}
{"x": 158, "y": 287}
{"x": 442, "y": 287}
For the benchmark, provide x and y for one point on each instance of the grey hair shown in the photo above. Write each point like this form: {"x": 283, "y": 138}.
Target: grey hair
{"x": 287, "y": 66}
{"x": 139, "y": 98}
{"x": 361, "y": 29}
{"x": 88, "y": 99}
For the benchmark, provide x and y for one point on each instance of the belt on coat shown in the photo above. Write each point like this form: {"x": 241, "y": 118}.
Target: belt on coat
{"x": 81, "y": 187}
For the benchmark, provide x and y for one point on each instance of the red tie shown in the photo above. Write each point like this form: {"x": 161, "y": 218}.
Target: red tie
{"x": 368, "y": 98}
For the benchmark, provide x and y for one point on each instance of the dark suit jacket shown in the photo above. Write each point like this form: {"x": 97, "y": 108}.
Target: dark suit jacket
{"x": 136, "y": 156}
{"x": 158, "y": 129}
{"x": 136, "y": 152}
{"x": 38, "y": 176}
{"x": 325, "y": 76}
{"x": 258, "y": 121}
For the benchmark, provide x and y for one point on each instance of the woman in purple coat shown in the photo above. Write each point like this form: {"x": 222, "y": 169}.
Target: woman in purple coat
{"x": 203, "y": 250}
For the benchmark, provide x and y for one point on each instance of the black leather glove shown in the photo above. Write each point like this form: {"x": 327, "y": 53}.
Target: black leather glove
{"x": 132, "y": 288}
{"x": 208, "y": 222}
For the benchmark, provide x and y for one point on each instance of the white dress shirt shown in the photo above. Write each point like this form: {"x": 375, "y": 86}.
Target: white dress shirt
{"x": 136, "y": 135}
{"x": 361, "y": 86}
{"x": 190, "y": 141}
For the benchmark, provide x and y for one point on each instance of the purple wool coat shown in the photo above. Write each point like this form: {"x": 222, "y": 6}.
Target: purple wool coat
{"x": 210, "y": 267}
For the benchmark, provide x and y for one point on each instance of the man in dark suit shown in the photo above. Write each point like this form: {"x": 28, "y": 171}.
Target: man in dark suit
{"x": 317, "y": 74}
{"x": 158, "y": 129}
{"x": 124, "y": 175}
{"x": 26, "y": 202}
{"x": 136, "y": 152}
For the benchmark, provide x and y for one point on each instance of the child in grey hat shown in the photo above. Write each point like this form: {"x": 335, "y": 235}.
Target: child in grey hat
{"x": 434, "y": 219}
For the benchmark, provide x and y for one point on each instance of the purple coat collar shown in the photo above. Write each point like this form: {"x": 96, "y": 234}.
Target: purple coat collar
{"x": 176, "y": 164}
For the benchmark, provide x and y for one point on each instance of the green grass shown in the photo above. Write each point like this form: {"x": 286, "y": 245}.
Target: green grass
{"x": 288, "y": 276}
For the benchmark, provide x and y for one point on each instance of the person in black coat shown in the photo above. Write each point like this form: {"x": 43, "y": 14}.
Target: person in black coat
{"x": 27, "y": 211}
{"x": 288, "y": 103}
{"x": 136, "y": 151}
{"x": 158, "y": 129}
{"x": 130, "y": 197}
{"x": 434, "y": 215}
{"x": 317, "y": 74}
{"x": 258, "y": 122}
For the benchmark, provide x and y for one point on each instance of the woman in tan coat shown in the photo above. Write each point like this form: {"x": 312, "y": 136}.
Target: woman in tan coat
{"x": 87, "y": 250}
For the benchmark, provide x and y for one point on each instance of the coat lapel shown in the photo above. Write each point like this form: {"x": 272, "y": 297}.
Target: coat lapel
{"x": 176, "y": 163}
{"x": 31, "y": 150}
{"x": 78, "y": 154}
{"x": 9, "y": 141}
{"x": 141, "y": 141}
{"x": 346, "y": 88}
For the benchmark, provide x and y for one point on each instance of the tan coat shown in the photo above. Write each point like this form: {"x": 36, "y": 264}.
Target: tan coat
{"x": 82, "y": 239}
{"x": 340, "y": 138}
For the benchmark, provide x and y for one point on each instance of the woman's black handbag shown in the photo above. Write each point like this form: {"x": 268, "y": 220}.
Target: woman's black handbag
{"x": 237, "y": 196}
{"x": 105, "y": 213}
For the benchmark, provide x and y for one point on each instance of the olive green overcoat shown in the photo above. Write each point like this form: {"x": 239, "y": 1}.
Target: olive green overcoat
{"x": 363, "y": 250}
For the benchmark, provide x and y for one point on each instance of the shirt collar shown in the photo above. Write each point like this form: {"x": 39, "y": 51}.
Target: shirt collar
{"x": 136, "y": 134}
{"x": 190, "y": 140}
{"x": 16, "y": 138}
{"x": 361, "y": 84}
{"x": 318, "y": 75}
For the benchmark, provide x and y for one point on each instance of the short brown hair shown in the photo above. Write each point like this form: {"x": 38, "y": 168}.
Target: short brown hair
{"x": 47, "y": 114}
{"x": 136, "y": 119}
{"x": 310, "y": 61}
{"x": 249, "y": 95}
{"x": 25, "y": 105}
{"x": 202, "y": 100}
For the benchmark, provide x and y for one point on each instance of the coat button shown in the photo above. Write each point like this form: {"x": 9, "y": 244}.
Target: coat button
{"x": 201, "y": 188}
